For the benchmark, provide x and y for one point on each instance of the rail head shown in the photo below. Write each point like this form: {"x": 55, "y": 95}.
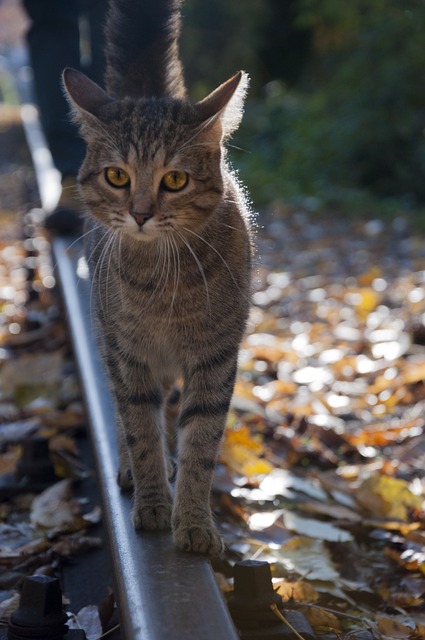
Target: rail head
{"x": 161, "y": 592}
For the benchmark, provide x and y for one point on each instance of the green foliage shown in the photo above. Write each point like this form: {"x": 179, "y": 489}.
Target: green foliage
{"x": 345, "y": 124}
{"x": 222, "y": 37}
{"x": 355, "y": 126}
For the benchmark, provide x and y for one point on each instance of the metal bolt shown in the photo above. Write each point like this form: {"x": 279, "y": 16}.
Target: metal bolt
{"x": 250, "y": 605}
{"x": 40, "y": 614}
{"x": 253, "y": 595}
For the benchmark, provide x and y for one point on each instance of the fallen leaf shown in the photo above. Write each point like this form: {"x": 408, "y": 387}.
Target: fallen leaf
{"x": 335, "y": 511}
{"x": 315, "y": 528}
{"x": 75, "y": 543}
{"x": 299, "y": 591}
{"x": 12, "y": 432}
{"x": 243, "y": 453}
{"x": 309, "y": 558}
{"x": 387, "y": 497}
{"x": 280, "y": 480}
{"x": 87, "y": 619}
{"x": 53, "y": 509}
{"x": 322, "y": 620}
{"x": 392, "y": 629}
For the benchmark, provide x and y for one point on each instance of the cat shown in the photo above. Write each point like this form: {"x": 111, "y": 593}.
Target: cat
{"x": 169, "y": 246}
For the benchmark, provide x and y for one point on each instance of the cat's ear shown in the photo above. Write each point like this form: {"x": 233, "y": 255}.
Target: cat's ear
{"x": 84, "y": 95}
{"x": 225, "y": 104}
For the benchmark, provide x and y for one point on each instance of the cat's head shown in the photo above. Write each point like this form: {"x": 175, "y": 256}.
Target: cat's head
{"x": 153, "y": 165}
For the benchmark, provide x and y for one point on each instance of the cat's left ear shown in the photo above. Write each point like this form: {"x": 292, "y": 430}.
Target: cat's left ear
{"x": 225, "y": 104}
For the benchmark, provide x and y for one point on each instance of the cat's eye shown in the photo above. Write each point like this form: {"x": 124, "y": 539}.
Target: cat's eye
{"x": 117, "y": 177}
{"x": 174, "y": 180}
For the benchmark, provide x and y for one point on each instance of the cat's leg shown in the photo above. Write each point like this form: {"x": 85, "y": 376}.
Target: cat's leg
{"x": 141, "y": 413}
{"x": 206, "y": 399}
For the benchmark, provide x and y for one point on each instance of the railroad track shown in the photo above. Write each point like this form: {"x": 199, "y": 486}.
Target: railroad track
{"x": 160, "y": 592}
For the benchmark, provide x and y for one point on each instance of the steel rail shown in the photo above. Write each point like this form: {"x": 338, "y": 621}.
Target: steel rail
{"x": 161, "y": 593}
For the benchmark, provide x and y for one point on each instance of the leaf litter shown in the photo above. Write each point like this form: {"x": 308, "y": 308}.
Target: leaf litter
{"x": 321, "y": 472}
{"x": 43, "y": 524}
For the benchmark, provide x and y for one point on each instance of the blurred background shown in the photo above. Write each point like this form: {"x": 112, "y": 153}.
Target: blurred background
{"x": 336, "y": 112}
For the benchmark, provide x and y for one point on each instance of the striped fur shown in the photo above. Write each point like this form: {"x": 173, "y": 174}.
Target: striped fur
{"x": 172, "y": 292}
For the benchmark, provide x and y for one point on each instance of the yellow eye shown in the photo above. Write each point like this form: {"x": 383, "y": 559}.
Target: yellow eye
{"x": 117, "y": 177}
{"x": 174, "y": 180}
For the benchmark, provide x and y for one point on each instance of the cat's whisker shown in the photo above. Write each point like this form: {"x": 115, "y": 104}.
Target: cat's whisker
{"x": 234, "y": 146}
{"x": 188, "y": 147}
{"x": 201, "y": 270}
{"x": 160, "y": 268}
{"x": 215, "y": 251}
{"x": 110, "y": 258}
{"x": 99, "y": 268}
{"x": 89, "y": 259}
{"x": 175, "y": 269}
{"x": 82, "y": 236}
{"x": 165, "y": 267}
{"x": 229, "y": 226}
{"x": 196, "y": 134}
{"x": 121, "y": 274}
{"x": 90, "y": 256}
{"x": 170, "y": 270}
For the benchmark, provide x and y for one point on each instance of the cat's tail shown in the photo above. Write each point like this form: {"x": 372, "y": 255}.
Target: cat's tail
{"x": 142, "y": 52}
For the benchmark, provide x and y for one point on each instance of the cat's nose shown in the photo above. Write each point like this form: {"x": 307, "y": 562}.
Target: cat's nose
{"x": 141, "y": 218}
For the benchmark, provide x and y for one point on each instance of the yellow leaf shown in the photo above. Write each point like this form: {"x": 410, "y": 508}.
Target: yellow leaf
{"x": 244, "y": 460}
{"x": 243, "y": 453}
{"x": 299, "y": 591}
{"x": 364, "y": 300}
{"x": 387, "y": 497}
{"x": 242, "y": 436}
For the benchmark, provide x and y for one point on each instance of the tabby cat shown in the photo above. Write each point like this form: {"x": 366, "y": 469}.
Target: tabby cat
{"x": 169, "y": 252}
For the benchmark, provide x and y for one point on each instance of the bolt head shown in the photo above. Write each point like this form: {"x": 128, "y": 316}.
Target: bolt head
{"x": 40, "y": 613}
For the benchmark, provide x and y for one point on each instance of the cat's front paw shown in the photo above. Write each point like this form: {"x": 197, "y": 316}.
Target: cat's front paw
{"x": 151, "y": 517}
{"x": 198, "y": 539}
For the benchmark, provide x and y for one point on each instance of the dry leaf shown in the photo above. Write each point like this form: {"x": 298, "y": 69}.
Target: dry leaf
{"x": 321, "y": 620}
{"x": 390, "y": 629}
{"x": 52, "y": 509}
{"x": 387, "y": 497}
{"x": 243, "y": 453}
{"x": 87, "y": 619}
{"x": 299, "y": 591}
{"x": 315, "y": 528}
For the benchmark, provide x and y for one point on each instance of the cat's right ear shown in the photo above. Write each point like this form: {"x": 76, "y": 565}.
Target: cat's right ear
{"x": 85, "y": 96}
